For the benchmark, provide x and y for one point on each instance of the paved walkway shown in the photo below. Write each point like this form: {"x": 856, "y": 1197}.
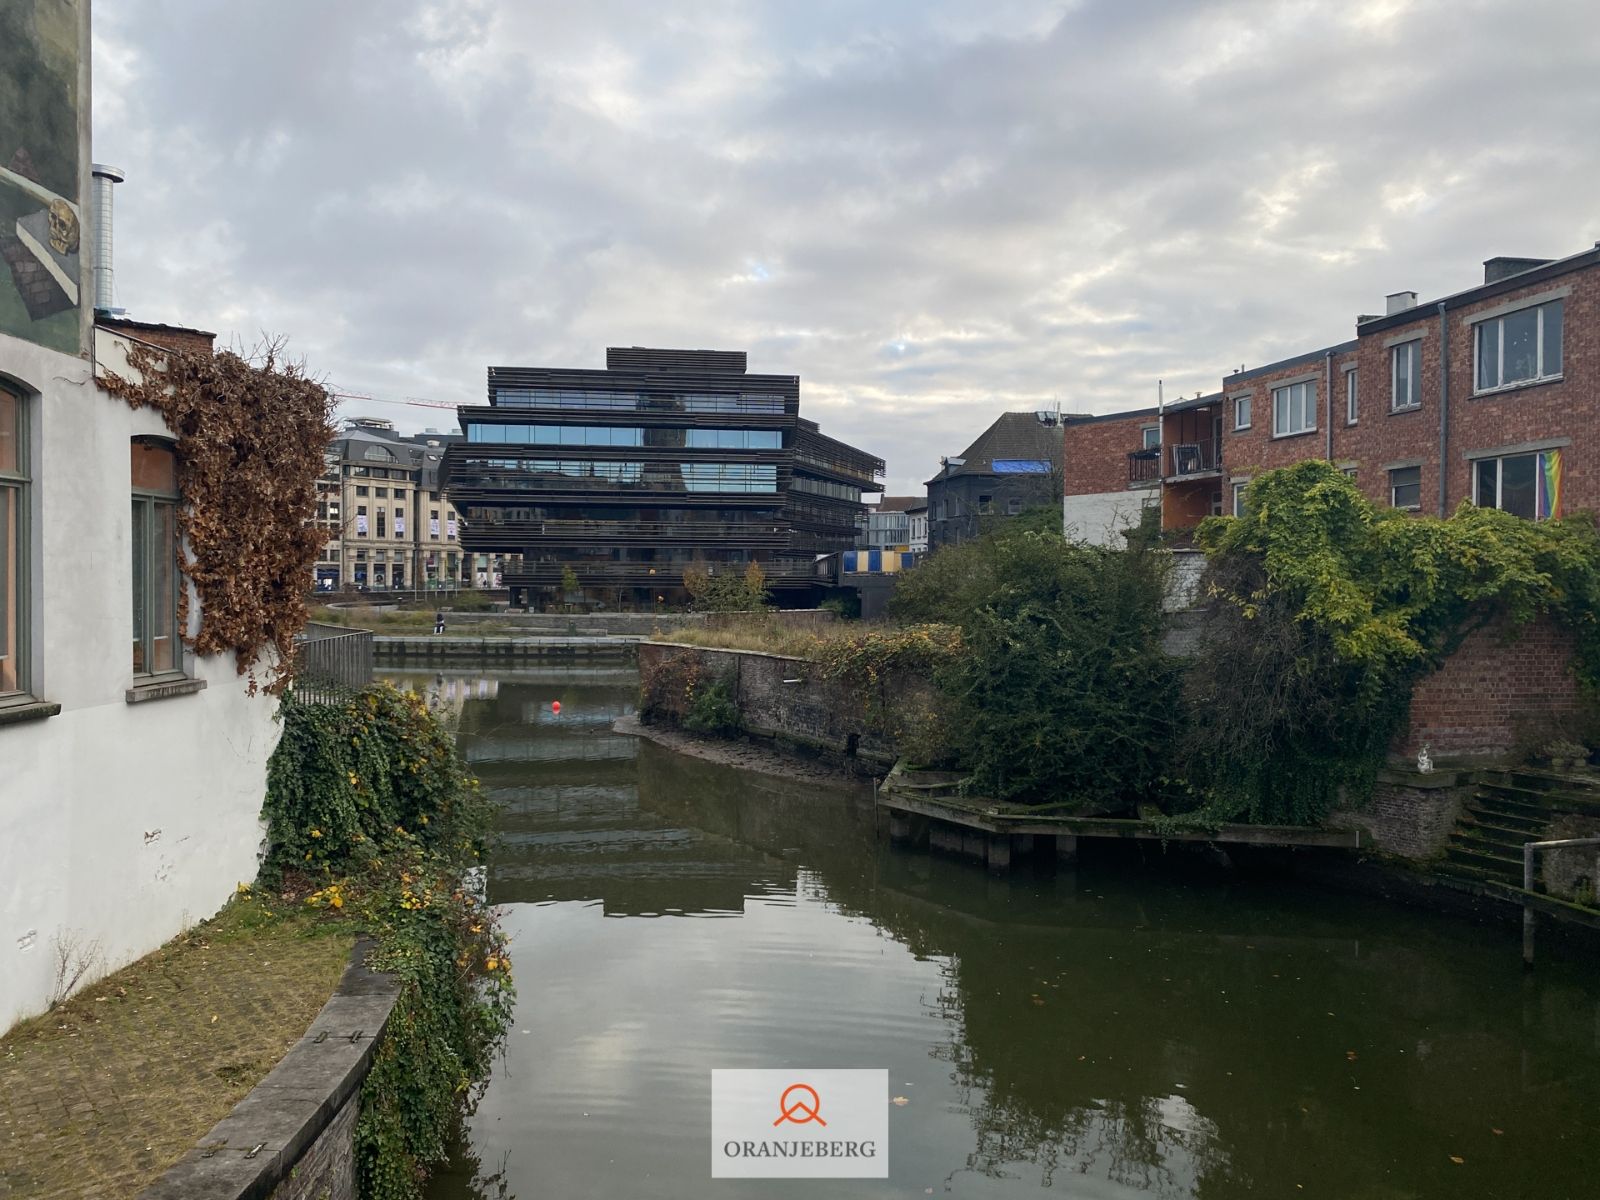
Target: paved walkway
{"x": 100, "y": 1096}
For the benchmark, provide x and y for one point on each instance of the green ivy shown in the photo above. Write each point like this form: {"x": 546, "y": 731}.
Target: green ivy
{"x": 712, "y": 710}
{"x": 1331, "y": 608}
{"x": 371, "y": 811}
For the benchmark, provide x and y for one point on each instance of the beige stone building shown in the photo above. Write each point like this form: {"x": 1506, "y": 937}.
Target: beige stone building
{"x": 388, "y": 524}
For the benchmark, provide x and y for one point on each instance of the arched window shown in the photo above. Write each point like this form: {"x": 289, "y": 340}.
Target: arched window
{"x": 156, "y": 637}
{"x": 13, "y": 545}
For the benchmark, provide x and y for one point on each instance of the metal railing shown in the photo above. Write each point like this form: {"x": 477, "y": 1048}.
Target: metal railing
{"x": 331, "y": 662}
{"x": 1195, "y": 458}
{"x": 1144, "y": 466}
{"x": 1530, "y": 851}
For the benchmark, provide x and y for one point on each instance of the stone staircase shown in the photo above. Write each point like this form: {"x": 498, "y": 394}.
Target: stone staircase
{"x": 1508, "y": 808}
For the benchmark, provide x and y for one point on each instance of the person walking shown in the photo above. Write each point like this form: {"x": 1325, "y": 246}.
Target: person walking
{"x": 438, "y": 622}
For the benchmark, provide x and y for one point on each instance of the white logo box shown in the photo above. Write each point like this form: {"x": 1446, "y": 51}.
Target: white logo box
{"x": 759, "y": 1132}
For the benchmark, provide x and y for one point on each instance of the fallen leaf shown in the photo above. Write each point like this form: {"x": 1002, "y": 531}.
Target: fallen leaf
{"x": 1457, "y": 1159}
{"x": 900, "y": 1100}
{"x": 213, "y": 1018}
{"x": 1496, "y": 1132}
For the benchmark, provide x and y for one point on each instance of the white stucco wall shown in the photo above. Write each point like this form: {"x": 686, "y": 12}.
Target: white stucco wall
{"x": 1099, "y": 517}
{"x": 120, "y": 824}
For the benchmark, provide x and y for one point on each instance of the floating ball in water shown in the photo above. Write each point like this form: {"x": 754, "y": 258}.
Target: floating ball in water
{"x": 555, "y": 707}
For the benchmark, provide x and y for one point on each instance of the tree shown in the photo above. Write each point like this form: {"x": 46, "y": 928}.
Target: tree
{"x": 726, "y": 591}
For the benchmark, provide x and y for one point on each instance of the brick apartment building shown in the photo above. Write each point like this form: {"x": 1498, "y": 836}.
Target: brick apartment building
{"x": 1491, "y": 394}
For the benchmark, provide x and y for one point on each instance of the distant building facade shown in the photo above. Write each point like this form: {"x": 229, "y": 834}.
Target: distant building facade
{"x": 387, "y": 520}
{"x": 665, "y": 459}
{"x": 1014, "y": 465}
{"x": 889, "y": 524}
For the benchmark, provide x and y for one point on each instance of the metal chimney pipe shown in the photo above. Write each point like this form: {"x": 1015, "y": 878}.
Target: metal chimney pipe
{"x": 104, "y": 179}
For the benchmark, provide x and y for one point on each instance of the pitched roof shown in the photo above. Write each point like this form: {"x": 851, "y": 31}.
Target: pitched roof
{"x": 1013, "y": 436}
{"x": 896, "y": 504}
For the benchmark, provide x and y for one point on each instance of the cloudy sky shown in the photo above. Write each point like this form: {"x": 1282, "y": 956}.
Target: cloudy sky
{"x": 930, "y": 211}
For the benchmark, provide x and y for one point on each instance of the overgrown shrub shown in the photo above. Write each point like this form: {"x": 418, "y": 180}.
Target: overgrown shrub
{"x": 1063, "y": 693}
{"x": 1329, "y": 610}
{"x": 727, "y": 591}
{"x": 712, "y": 710}
{"x": 370, "y": 811}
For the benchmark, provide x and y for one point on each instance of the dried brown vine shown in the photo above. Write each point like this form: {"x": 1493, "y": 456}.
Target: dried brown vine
{"x": 250, "y": 433}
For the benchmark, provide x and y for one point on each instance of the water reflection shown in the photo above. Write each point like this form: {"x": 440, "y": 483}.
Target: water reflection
{"x": 1123, "y": 1030}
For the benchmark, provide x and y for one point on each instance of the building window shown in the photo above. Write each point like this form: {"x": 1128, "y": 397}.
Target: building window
{"x": 1519, "y": 347}
{"x": 1294, "y": 409}
{"x": 1241, "y": 412}
{"x": 362, "y": 491}
{"x": 1405, "y": 487}
{"x": 383, "y": 518}
{"x": 1238, "y": 498}
{"x": 984, "y": 503}
{"x": 1349, "y": 473}
{"x": 155, "y": 559}
{"x": 1525, "y": 485}
{"x": 13, "y": 544}
{"x": 361, "y": 520}
{"x": 1405, "y": 370}
{"x": 1152, "y": 436}
{"x": 1013, "y": 507}
{"x": 1352, "y": 410}
{"x": 381, "y": 493}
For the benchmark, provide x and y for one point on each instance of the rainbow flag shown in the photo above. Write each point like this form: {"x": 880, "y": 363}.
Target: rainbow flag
{"x": 1548, "y": 501}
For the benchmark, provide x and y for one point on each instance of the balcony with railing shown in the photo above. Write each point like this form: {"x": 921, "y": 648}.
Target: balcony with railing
{"x": 1193, "y": 460}
{"x": 1144, "y": 467}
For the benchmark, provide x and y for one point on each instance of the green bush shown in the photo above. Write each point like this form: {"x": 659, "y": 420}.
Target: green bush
{"x": 712, "y": 710}
{"x": 1330, "y": 608}
{"x": 370, "y": 811}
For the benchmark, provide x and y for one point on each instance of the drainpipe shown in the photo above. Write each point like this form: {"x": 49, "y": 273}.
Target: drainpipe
{"x": 1444, "y": 406}
{"x": 1328, "y": 357}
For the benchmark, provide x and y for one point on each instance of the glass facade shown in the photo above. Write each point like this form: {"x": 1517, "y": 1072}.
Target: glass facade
{"x": 635, "y": 401}
{"x": 504, "y": 434}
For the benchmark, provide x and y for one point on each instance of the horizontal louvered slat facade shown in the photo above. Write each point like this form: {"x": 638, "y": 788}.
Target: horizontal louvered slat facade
{"x": 665, "y": 458}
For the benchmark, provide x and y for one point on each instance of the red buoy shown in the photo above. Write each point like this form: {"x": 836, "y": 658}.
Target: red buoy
{"x": 555, "y": 707}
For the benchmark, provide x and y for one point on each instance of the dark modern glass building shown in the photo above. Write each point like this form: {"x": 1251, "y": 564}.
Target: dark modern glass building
{"x": 665, "y": 458}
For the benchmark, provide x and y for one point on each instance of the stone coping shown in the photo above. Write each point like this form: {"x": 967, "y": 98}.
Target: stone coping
{"x": 248, "y": 1153}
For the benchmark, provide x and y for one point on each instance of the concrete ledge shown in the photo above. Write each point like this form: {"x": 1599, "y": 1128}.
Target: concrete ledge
{"x": 252, "y": 1150}
{"x": 16, "y": 714}
{"x": 165, "y": 690}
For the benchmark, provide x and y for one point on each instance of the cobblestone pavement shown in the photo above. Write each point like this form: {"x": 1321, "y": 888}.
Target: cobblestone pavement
{"x": 102, "y": 1094}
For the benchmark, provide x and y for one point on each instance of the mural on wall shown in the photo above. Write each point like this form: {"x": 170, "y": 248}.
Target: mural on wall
{"x": 41, "y": 213}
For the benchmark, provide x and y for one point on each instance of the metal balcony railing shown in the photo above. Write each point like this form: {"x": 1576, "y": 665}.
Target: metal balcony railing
{"x": 1194, "y": 458}
{"x": 1144, "y": 466}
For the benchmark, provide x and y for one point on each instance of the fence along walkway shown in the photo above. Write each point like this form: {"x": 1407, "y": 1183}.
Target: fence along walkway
{"x": 331, "y": 661}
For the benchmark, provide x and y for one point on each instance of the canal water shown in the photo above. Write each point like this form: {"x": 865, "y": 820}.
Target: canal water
{"x": 1133, "y": 1028}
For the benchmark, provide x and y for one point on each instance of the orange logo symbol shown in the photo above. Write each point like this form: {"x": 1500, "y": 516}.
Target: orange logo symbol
{"x": 807, "y": 1112}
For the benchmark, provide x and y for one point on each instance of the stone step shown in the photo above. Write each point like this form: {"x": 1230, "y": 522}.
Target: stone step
{"x": 1512, "y": 801}
{"x": 1490, "y": 829}
{"x": 1539, "y": 779}
{"x": 1496, "y": 866}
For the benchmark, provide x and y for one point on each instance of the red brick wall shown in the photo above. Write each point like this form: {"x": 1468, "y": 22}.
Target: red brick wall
{"x": 1569, "y": 408}
{"x": 1251, "y": 451}
{"x": 1491, "y": 693}
{"x": 1097, "y": 452}
{"x": 188, "y": 341}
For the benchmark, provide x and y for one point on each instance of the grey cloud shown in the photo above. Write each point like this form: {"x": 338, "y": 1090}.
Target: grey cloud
{"x": 1032, "y": 201}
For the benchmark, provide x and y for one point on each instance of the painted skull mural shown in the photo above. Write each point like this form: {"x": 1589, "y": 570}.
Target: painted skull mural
{"x": 41, "y": 171}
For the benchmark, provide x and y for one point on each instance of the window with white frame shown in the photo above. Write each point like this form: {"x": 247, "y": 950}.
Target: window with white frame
{"x": 1525, "y": 485}
{"x": 1405, "y": 375}
{"x": 1352, "y": 408}
{"x": 1152, "y": 436}
{"x": 1294, "y": 408}
{"x": 157, "y": 647}
{"x": 1405, "y": 487}
{"x": 1241, "y": 412}
{"x": 1519, "y": 347}
{"x": 13, "y": 544}
{"x": 1238, "y": 498}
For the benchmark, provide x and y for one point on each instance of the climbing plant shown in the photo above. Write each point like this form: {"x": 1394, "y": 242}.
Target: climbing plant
{"x": 250, "y": 439}
{"x": 1330, "y": 608}
{"x": 371, "y": 812}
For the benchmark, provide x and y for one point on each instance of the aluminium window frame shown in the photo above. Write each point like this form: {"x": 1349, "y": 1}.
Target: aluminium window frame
{"x": 1308, "y": 405}
{"x": 1412, "y": 348}
{"x": 1352, "y": 396}
{"x": 1391, "y": 472}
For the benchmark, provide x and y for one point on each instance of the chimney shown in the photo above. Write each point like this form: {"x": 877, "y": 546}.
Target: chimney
{"x": 104, "y": 179}
{"x": 1398, "y": 302}
{"x": 1496, "y": 269}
